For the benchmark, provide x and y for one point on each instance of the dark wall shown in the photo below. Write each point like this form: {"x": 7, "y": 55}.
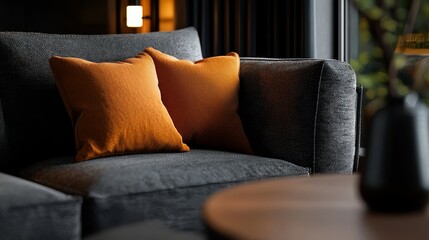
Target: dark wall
{"x": 59, "y": 16}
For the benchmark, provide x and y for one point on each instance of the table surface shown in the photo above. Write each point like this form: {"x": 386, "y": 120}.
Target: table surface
{"x": 317, "y": 207}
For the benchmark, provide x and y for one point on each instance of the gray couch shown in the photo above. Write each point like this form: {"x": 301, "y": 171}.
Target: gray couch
{"x": 300, "y": 116}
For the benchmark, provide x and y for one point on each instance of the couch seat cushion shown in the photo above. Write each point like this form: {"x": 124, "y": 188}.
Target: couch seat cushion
{"x": 168, "y": 186}
{"x": 32, "y": 211}
{"x": 139, "y": 173}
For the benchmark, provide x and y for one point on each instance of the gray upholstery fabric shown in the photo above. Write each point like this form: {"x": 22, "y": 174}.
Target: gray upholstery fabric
{"x": 168, "y": 186}
{"x": 145, "y": 230}
{"x": 31, "y": 211}
{"x": 303, "y": 111}
{"x": 178, "y": 208}
{"x": 335, "y": 129}
{"x": 37, "y": 124}
{"x": 300, "y": 111}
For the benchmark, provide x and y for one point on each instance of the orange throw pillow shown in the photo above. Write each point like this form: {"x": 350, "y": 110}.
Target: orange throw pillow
{"x": 115, "y": 108}
{"x": 202, "y": 99}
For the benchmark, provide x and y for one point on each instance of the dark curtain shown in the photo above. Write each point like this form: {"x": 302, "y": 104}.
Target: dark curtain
{"x": 263, "y": 28}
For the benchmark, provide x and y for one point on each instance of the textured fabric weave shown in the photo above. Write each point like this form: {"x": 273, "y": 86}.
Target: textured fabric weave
{"x": 335, "y": 138}
{"x": 31, "y": 211}
{"x": 139, "y": 173}
{"x": 202, "y": 99}
{"x": 169, "y": 186}
{"x": 37, "y": 125}
{"x": 303, "y": 111}
{"x": 115, "y": 108}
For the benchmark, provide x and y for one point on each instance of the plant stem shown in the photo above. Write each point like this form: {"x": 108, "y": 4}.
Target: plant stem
{"x": 412, "y": 16}
{"x": 409, "y": 26}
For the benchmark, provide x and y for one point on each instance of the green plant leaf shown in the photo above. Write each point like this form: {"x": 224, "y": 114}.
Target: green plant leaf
{"x": 389, "y": 24}
{"x": 375, "y": 13}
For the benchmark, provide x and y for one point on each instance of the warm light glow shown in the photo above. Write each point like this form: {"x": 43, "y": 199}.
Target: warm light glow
{"x": 167, "y": 15}
{"x": 134, "y": 16}
{"x": 413, "y": 44}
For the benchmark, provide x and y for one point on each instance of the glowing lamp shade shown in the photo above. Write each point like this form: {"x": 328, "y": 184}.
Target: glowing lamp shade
{"x": 134, "y": 16}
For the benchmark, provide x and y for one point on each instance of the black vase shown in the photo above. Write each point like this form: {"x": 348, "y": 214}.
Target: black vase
{"x": 395, "y": 177}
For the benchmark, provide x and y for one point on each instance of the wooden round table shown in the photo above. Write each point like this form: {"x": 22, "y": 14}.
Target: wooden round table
{"x": 318, "y": 207}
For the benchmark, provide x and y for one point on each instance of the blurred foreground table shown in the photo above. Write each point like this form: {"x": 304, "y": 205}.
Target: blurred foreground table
{"x": 318, "y": 207}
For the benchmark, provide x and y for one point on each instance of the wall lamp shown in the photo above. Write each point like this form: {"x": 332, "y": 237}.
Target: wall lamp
{"x": 134, "y": 14}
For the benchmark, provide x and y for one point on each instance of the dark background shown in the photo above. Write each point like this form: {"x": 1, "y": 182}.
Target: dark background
{"x": 58, "y": 16}
{"x": 264, "y": 28}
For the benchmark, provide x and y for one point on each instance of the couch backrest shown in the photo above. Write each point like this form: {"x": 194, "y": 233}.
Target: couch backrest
{"x": 33, "y": 123}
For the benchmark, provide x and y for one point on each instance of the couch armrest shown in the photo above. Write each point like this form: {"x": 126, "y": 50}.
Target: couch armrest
{"x": 301, "y": 110}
